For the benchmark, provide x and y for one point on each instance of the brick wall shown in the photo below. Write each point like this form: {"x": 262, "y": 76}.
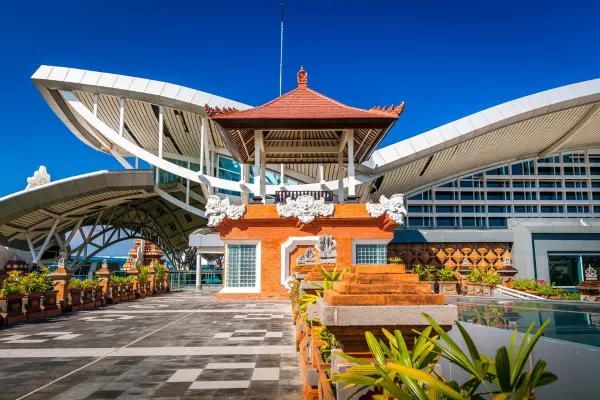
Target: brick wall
{"x": 261, "y": 222}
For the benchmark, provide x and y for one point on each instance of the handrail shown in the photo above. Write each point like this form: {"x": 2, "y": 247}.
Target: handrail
{"x": 282, "y": 195}
{"x": 517, "y": 293}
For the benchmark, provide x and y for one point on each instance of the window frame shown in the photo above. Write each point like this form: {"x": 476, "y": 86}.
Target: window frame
{"x": 384, "y": 242}
{"x": 258, "y": 268}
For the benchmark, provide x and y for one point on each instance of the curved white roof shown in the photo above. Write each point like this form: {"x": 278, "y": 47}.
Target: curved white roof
{"x": 554, "y": 120}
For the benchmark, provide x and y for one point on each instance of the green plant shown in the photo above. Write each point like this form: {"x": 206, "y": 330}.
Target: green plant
{"x": 426, "y": 273}
{"x": 329, "y": 278}
{"x": 548, "y": 290}
{"x": 330, "y": 342}
{"x": 97, "y": 279}
{"x": 564, "y": 295}
{"x": 75, "y": 284}
{"x": 144, "y": 275}
{"x": 12, "y": 284}
{"x": 484, "y": 274}
{"x": 46, "y": 279}
{"x": 88, "y": 284}
{"x": 403, "y": 378}
{"x": 160, "y": 271}
{"x": 446, "y": 275}
{"x": 395, "y": 260}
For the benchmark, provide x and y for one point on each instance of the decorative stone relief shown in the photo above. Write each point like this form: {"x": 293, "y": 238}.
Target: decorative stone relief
{"x": 327, "y": 252}
{"x": 217, "y": 209}
{"x": 393, "y": 207}
{"x": 591, "y": 274}
{"x": 307, "y": 258}
{"x": 39, "y": 178}
{"x": 140, "y": 252}
{"x": 507, "y": 261}
{"x": 306, "y": 208}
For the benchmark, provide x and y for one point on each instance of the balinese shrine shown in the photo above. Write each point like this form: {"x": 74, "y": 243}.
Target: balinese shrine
{"x": 304, "y": 229}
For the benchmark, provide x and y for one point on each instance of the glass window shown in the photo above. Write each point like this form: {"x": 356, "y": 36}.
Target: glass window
{"x": 548, "y": 160}
{"x": 498, "y": 222}
{"x": 426, "y": 195}
{"x": 446, "y": 209}
{"x": 449, "y": 184}
{"x": 578, "y": 209}
{"x": 576, "y": 195}
{"x": 564, "y": 269}
{"x": 371, "y": 254}
{"x": 446, "y": 222}
{"x": 498, "y": 184}
{"x": 241, "y": 266}
{"x": 552, "y": 209}
{"x": 473, "y": 222}
{"x": 498, "y": 196}
{"x": 445, "y": 196}
{"x": 548, "y": 170}
{"x": 498, "y": 209}
{"x": 575, "y": 158}
{"x": 524, "y": 195}
{"x": 498, "y": 171}
{"x": 550, "y": 196}
{"x": 420, "y": 221}
{"x": 594, "y": 170}
{"x": 594, "y": 158}
{"x": 550, "y": 184}
{"x": 526, "y": 209}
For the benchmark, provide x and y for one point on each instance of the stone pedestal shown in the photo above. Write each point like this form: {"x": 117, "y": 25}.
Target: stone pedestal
{"x": 51, "y": 304}
{"x": 12, "y": 309}
{"x": 105, "y": 274}
{"x": 76, "y": 303}
{"x": 61, "y": 277}
{"x": 33, "y": 307}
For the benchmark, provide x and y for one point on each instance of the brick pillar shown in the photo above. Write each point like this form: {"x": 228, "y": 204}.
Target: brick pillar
{"x": 152, "y": 279}
{"x": 61, "y": 277}
{"x": 133, "y": 271}
{"x": 105, "y": 274}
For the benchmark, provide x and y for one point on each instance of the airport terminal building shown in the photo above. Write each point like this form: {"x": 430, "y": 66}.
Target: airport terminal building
{"x": 516, "y": 185}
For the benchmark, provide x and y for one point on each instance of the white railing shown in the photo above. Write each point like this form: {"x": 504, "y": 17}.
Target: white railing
{"x": 517, "y": 293}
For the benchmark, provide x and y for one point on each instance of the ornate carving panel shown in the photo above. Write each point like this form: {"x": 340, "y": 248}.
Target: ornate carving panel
{"x": 453, "y": 255}
{"x": 305, "y": 208}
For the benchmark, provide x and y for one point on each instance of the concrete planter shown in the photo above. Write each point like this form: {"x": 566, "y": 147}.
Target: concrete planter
{"x": 124, "y": 292}
{"x": 33, "y": 308}
{"x": 115, "y": 295}
{"x": 325, "y": 389}
{"x": 449, "y": 287}
{"x": 88, "y": 298}
{"x": 98, "y": 297}
{"x": 76, "y": 304}
{"x": 12, "y": 309}
{"x": 480, "y": 289}
{"x": 130, "y": 291}
{"x": 432, "y": 283}
{"x": 50, "y": 305}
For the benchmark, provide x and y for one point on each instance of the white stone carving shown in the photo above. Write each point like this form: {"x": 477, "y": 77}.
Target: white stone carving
{"x": 39, "y": 178}
{"x": 591, "y": 274}
{"x": 140, "y": 252}
{"x": 393, "y": 207}
{"x": 307, "y": 258}
{"x": 507, "y": 261}
{"x": 327, "y": 251}
{"x": 217, "y": 209}
{"x": 306, "y": 208}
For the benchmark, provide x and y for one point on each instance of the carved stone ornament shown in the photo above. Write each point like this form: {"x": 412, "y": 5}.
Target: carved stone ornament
{"x": 507, "y": 261}
{"x": 105, "y": 263}
{"x": 217, "y": 209}
{"x": 39, "y": 178}
{"x": 307, "y": 258}
{"x": 140, "y": 252}
{"x": 393, "y": 207}
{"x": 591, "y": 274}
{"x": 306, "y": 208}
{"x": 327, "y": 252}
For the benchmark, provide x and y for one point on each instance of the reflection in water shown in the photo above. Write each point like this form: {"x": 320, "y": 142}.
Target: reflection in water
{"x": 579, "y": 323}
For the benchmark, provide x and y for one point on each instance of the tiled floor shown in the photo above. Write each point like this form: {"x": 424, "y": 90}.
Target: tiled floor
{"x": 181, "y": 345}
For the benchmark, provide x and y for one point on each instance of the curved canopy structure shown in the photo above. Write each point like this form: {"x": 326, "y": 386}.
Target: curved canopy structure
{"x": 120, "y": 115}
{"x": 105, "y": 208}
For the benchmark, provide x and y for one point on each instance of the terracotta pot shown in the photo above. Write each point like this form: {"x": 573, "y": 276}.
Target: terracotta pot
{"x": 448, "y": 287}
{"x": 50, "y": 305}
{"x": 13, "y": 308}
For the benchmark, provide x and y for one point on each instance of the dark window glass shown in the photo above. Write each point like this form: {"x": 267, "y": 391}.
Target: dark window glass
{"x": 497, "y": 222}
{"x": 564, "y": 269}
{"x": 446, "y": 222}
{"x": 445, "y": 209}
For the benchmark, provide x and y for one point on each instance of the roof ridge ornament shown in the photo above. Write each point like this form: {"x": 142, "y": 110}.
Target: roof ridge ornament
{"x": 302, "y": 77}
{"x": 217, "y": 209}
{"x": 39, "y": 178}
{"x": 306, "y": 208}
{"x": 393, "y": 207}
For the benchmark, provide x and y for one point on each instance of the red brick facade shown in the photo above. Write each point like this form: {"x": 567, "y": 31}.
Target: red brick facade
{"x": 261, "y": 222}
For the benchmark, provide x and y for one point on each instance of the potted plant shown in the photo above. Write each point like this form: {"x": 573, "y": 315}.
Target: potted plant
{"x": 49, "y": 301}
{"x": 114, "y": 295}
{"x": 481, "y": 281}
{"x": 88, "y": 296}
{"x": 447, "y": 280}
{"x": 130, "y": 285}
{"x": 75, "y": 288}
{"x": 34, "y": 285}
{"x": 98, "y": 297}
{"x": 160, "y": 274}
{"x": 11, "y": 295}
{"x": 426, "y": 274}
{"x": 143, "y": 279}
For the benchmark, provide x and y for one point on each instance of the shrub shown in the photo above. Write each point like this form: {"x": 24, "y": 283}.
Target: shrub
{"x": 426, "y": 273}
{"x": 144, "y": 275}
{"x": 446, "y": 275}
{"x": 12, "y": 284}
{"x": 75, "y": 284}
{"x": 395, "y": 260}
{"x": 97, "y": 279}
{"x": 160, "y": 271}
{"x": 484, "y": 274}
{"x": 88, "y": 284}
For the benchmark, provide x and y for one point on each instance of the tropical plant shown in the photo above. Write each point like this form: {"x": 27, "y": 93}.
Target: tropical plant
{"x": 484, "y": 274}
{"x": 426, "y": 273}
{"x": 329, "y": 278}
{"x": 144, "y": 275}
{"x": 395, "y": 260}
{"x": 329, "y": 343}
{"x": 75, "y": 284}
{"x": 410, "y": 375}
{"x": 88, "y": 284}
{"x": 446, "y": 275}
{"x": 564, "y": 295}
{"x": 12, "y": 284}
{"x": 97, "y": 279}
{"x": 46, "y": 280}
{"x": 160, "y": 271}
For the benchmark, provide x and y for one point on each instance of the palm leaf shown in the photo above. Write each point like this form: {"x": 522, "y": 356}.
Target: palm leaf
{"x": 524, "y": 352}
{"x": 375, "y": 348}
{"x": 503, "y": 370}
{"x": 426, "y": 378}
{"x": 393, "y": 387}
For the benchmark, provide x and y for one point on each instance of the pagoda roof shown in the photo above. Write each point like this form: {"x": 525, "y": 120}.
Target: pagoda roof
{"x": 306, "y": 108}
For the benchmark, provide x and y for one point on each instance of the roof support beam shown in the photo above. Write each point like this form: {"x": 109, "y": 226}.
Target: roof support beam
{"x": 351, "y": 180}
{"x": 161, "y": 127}
{"x": 340, "y": 172}
{"x": 301, "y": 150}
{"x": 554, "y": 147}
{"x": 122, "y": 117}
{"x": 45, "y": 244}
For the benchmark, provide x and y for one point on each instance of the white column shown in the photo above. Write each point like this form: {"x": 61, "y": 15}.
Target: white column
{"x": 122, "y": 116}
{"x": 244, "y": 181}
{"x": 341, "y": 177}
{"x": 96, "y": 105}
{"x": 282, "y": 175}
{"x": 137, "y": 162}
{"x": 257, "y": 163}
{"x": 198, "y": 268}
{"x": 187, "y": 188}
{"x": 263, "y": 179}
{"x": 202, "y": 146}
{"x": 351, "y": 181}
{"x": 321, "y": 175}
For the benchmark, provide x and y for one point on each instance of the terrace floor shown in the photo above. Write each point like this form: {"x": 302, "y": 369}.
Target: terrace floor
{"x": 180, "y": 345}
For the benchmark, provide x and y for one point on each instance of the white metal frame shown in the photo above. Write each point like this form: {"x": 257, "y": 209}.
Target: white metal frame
{"x": 257, "y": 287}
{"x": 366, "y": 241}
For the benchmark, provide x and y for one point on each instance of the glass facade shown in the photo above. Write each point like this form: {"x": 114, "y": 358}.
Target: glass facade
{"x": 241, "y": 266}
{"x": 569, "y": 269}
{"x": 565, "y": 185}
{"x": 371, "y": 254}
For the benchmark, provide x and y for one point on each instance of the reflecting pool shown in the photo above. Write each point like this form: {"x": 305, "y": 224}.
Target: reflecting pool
{"x": 574, "y": 322}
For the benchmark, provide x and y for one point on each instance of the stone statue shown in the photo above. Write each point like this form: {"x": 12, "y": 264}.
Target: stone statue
{"x": 326, "y": 247}
{"x": 507, "y": 261}
{"x": 307, "y": 258}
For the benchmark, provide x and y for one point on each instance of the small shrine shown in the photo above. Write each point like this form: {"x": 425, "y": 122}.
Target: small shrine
{"x": 590, "y": 288}
{"x": 143, "y": 252}
{"x": 16, "y": 264}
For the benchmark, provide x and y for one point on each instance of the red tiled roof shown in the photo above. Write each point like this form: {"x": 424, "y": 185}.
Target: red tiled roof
{"x": 304, "y": 103}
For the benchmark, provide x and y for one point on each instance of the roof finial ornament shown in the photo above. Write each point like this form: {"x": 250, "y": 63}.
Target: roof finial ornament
{"x": 302, "y": 77}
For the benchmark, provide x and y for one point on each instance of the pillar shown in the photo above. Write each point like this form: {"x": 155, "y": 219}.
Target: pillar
{"x": 105, "y": 274}
{"x": 198, "y": 270}
{"x": 61, "y": 277}
{"x": 351, "y": 180}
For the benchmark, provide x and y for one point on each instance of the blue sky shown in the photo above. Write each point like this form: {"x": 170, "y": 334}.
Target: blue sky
{"x": 444, "y": 59}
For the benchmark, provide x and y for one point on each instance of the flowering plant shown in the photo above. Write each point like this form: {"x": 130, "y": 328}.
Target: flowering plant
{"x": 289, "y": 284}
{"x": 541, "y": 281}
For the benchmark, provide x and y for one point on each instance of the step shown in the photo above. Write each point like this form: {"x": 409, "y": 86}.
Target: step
{"x": 380, "y": 278}
{"x": 381, "y": 288}
{"x": 334, "y": 299}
